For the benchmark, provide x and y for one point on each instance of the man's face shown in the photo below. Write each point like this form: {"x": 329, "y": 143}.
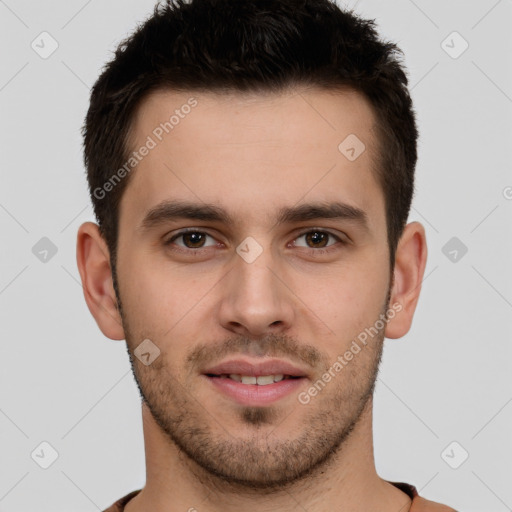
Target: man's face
{"x": 296, "y": 290}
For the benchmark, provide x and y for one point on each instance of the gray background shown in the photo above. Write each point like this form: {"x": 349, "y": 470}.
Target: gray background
{"x": 448, "y": 380}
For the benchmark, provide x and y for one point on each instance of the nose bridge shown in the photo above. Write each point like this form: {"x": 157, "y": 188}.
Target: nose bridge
{"x": 255, "y": 299}
{"x": 255, "y": 272}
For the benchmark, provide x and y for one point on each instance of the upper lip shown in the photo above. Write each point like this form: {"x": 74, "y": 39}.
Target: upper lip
{"x": 255, "y": 369}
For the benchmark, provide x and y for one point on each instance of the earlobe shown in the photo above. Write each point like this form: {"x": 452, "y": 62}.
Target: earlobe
{"x": 94, "y": 266}
{"x": 410, "y": 262}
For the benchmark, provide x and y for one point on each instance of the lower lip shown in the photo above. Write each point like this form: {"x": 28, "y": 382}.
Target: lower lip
{"x": 253, "y": 394}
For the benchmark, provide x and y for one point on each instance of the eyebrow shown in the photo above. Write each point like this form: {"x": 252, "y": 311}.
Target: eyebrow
{"x": 176, "y": 209}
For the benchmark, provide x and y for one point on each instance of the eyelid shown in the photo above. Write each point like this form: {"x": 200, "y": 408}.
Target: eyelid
{"x": 336, "y": 234}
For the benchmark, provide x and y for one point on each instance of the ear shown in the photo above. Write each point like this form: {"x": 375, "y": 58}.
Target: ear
{"x": 93, "y": 262}
{"x": 410, "y": 261}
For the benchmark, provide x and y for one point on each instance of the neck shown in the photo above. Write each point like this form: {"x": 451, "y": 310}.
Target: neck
{"x": 347, "y": 481}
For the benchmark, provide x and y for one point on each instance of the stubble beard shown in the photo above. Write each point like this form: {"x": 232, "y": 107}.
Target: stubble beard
{"x": 266, "y": 459}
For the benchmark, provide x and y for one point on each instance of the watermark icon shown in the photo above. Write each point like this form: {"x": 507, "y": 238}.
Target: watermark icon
{"x": 249, "y": 249}
{"x": 44, "y": 45}
{"x": 454, "y": 45}
{"x": 44, "y": 455}
{"x": 454, "y": 455}
{"x": 342, "y": 360}
{"x": 454, "y": 249}
{"x": 352, "y": 147}
{"x": 146, "y": 352}
{"x": 507, "y": 192}
{"x": 44, "y": 250}
{"x": 157, "y": 135}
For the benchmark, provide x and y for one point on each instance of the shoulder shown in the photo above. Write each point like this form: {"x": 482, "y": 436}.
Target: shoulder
{"x": 119, "y": 505}
{"x": 420, "y": 504}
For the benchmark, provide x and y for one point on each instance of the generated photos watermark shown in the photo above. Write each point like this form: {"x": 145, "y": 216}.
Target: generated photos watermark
{"x": 355, "y": 348}
{"x": 152, "y": 141}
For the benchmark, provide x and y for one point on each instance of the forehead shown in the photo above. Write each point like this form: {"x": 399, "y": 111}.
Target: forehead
{"x": 253, "y": 153}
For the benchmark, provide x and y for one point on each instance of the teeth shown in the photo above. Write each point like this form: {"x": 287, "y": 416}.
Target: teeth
{"x": 262, "y": 380}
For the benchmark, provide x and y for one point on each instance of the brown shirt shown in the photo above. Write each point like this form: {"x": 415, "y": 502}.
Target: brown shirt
{"x": 419, "y": 504}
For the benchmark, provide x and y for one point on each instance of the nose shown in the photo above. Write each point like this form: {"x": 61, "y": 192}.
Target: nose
{"x": 256, "y": 298}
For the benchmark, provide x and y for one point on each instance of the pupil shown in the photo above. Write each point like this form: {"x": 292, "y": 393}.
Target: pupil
{"x": 196, "y": 238}
{"x": 317, "y": 237}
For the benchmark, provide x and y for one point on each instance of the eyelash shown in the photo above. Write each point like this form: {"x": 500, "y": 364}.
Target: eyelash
{"x": 199, "y": 250}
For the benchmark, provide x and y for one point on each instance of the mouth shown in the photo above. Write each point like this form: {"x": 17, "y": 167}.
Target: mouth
{"x": 261, "y": 380}
{"x": 245, "y": 370}
{"x": 259, "y": 391}
{"x": 255, "y": 383}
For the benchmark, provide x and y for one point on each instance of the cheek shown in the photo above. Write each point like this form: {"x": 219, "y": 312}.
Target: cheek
{"x": 161, "y": 298}
{"x": 145, "y": 295}
{"x": 348, "y": 300}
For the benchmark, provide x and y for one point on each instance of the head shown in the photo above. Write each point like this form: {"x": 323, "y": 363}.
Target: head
{"x": 281, "y": 135}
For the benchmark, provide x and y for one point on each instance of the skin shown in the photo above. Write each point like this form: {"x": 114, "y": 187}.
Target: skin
{"x": 251, "y": 155}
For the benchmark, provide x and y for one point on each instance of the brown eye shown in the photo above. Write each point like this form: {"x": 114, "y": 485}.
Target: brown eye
{"x": 190, "y": 239}
{"x": 317, "y": 239}
{"x": 193, "y": 240}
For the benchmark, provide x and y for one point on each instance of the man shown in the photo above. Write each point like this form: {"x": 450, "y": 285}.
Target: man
{"x": 251, "y": 166}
